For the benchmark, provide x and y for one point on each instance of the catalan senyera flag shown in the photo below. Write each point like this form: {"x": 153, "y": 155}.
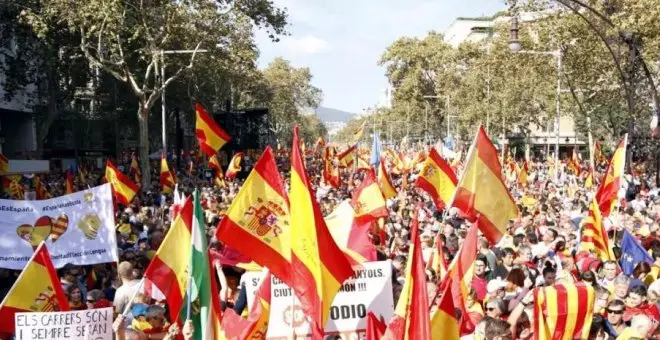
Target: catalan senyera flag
{"x": 563, "y": 311}
{"x": 40, "y": 189}
{"x": 522, "y": 175}
{"x": 37, "y": 289}
{"x": 135, "y": 169}
{"x": 68, "y": 183}
{"x": 210, "y": 136}
{"x": 607, "y": 192}
{"x": 411, "y": 315}
{"x": 368, "y": 201}
{"x": 122, "y": 187}
{"x": 234, "y": 166}
{"x": 481, "y": 194}
{"x": 257, "y": 222}
{"x": 166, "y": 177}
{"x": 593, "y": 235}
{"x": 12, "y": 185}
{"x": 351, "y": 237}
{"x": 444, "y": 324}
{"x": 437, "y": 179}
{"x": 317, "y": 264}
{"x": 259, "y": 311}
{"x": 169, "y": 268}
{"x": 4, "y": 164}
{"x": 386, "y": 186}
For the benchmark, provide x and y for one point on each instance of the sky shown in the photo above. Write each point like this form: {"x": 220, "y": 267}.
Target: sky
{"x": 341, "y": 41}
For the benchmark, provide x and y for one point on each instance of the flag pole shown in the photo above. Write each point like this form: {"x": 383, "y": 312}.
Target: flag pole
{"x": 130, "y": 302}
{"x": 190, "y": 268}
{"x": 42, "y": 244}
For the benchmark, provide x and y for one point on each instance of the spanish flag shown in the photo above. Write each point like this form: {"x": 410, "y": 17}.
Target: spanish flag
{"x": 351, "y": 237}
{"x": 259, "y": 311}
{"x": 444, "y": 324}
{"x": 234, "y": 166}
{"x": 358, "y": 133}
{"x": 411, "y": 316}
{"x": 215, "y": 164}
{"x": 481, "y": 194}
{"x": 166, "y": 177}
{"x": 437, "y": 179}
{"x": 135, "y": 169}
{"x": 594, "y": 237}
{"x": 574, "y": 163}
{"x": 522, "y": 175}
{"x": 384, "y": 181}
{"x": 37, "y": 289}
{"x": 368, "y": 201}
{"x": 318, "y": 265}
{"x": 68, "y": 184}
{"x": 4, "y": 164}
{"x": 611, "y": 183}
{"x": 169, "y": 268}
{"x": 320, "y": 143}
{"x": 257, "y": 222}
{"x": 599, "y": 155}
{"x": 563, "y": 311}
{"x": 12, "y": 185}
{"x": 347, "y": 157}
{"x": 210, "y": 136}
{"x": 439, "y": 262}
{"x": 122, "y": 187}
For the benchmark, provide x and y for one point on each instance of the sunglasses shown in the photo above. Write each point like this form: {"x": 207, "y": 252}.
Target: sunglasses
{"x": 490, "y": 309}
{"x": 91, "y": 301}
{"x": 612, "y": 311}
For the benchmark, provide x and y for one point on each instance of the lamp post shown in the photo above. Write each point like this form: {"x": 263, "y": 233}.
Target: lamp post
{"x": 516, "y": 47}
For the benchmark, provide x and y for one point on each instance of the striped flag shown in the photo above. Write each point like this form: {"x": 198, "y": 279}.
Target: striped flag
{"x": 122, "y": 187}
{"x": 135, "y": 169}
{"x": 437, "y": 179}
{"x": 206, "y": 312}
{"x": 593, "y": 235}
{"x": 606, "y": 195}
{"x": 40, "y": 189}
{"x": 563, "y": 311}
{"x": 257, "y": 222}
{"x": 438, "y": 262}
{"x": 522, "y": 175}
{"x": 386, "y": 186}
{"x": 351, "y": 237}
{"x": 234, "y": 166}
{"x": 68, "y": 184}
{"x": 444, "y": 324}
{"x": 166, "y": 177}
{"x": 37, "y": 289}
{"x": 589, "y": 181}
{"x": 4, "y": 164}
{"x": 318, "y": 265}
{"x": 259, "y": 311}
{"x": 368, "y": 201}
{"x": 210, "y": 136}
{"x": 481, "y": 194}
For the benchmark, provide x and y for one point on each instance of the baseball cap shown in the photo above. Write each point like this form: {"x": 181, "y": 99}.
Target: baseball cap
{"x": 495, "y": 285}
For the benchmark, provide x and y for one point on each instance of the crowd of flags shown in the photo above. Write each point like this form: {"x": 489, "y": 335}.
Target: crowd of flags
{"x": 286, "y": 233}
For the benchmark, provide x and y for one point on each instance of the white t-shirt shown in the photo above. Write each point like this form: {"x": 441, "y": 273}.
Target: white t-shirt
{"x": 124, "y": 294}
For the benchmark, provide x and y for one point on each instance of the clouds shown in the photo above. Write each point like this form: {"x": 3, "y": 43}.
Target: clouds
{"x": 307, "y": 44}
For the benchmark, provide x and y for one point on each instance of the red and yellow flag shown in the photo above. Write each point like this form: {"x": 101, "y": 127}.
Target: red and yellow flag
{"x": 574, "y": 163}
{"x": 439, "y": 262}
{"x": 563, "y": 311}
{"x": 411, "y": 316}
{"x": 122, "y": 187}
{"x": 599, "y": 155}
{"x": 69, "y": 187}
{"x": 40, "y": 189}
{"x": 166, "y": 177}
{"x": 352, "y": 238}
{"x": 37, "y": 289}
{"x": 368, "y": 201}
{"x": 611, "y": 183}
{"x": 12, "y": 185}
{"x": 214, "y": 163}
{"x": 358, "y": 133}
{"x": 437, "y": 179}
{"x": 257, "y": 222}
{"x": 375, "y": 327}
{"x": 168, "y": 269}
{"x": 210, "y": 136}
{"x": 234, "y": 166}
{"x": 259, "y": 312}
{"x": 386, "y": 186}
{"x": 4, "y": 164}
{"x": 318, "y": 265}
{"x": 594, "y": 237}
{"x": 589, "y": 181}
{"x": 444, "y": 324}
{"x": 481, "y": 194}
{"x": 347, "y": 157}
{"x": 135, "y": 169}
{"x": 522, "y": 175}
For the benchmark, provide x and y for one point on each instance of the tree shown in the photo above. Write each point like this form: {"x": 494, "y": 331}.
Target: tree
{"x": 125, "y": 38}
{"x": 290, "y": 94}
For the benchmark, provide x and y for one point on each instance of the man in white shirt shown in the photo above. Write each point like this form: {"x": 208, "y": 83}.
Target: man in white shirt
{"x": 128, "y": 287}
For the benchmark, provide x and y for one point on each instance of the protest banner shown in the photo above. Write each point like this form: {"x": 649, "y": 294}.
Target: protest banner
{"x": 369, "y": 289}
{"x": 252, "y": 281}
{"x": 78, "y": 229}
{"x": 92, "y": 324}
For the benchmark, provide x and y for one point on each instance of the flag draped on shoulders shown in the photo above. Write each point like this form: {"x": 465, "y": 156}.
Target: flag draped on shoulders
{"x": 481, "y": 194}
{"x": 37, "y": 289}
{"x": 210, "y": 135}
{"x": 257, "y": 223}
{"x": 122, "y": 187}
{"x": 563, "y": 311}
{"x": 437, "y": 179}
{"x": 318, "y": 265}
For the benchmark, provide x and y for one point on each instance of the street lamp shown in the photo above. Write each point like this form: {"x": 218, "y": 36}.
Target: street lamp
{"x": 516, "y": 47}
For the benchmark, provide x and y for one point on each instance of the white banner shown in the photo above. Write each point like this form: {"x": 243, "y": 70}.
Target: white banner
{"x": 252, "y": 280}
{"x": 92, "y": 324}
{"x": 369, "y": 290}
{"x": 78, "y": 229}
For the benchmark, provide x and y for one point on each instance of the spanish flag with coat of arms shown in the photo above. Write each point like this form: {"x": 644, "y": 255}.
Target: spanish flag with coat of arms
{"x": 37, "y": 289}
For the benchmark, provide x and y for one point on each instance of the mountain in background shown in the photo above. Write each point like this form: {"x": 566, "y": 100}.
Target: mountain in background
{"x": 328, "y": 115}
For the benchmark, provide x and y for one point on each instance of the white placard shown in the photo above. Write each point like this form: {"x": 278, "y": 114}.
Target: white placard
{"x": 252, "y": 280}
{"x": 91, "y": 324}
{"x": 78, "y": 229}
{"x": 369, "y": 290}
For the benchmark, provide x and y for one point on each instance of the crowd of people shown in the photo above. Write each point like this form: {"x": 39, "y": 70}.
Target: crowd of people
{"x": 539, "y": 250}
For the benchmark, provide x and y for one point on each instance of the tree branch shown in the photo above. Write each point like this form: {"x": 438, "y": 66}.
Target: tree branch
{"x": 96, "y": 62}
{"x": 649, "y": 78}
{"x": 181, "y": 70}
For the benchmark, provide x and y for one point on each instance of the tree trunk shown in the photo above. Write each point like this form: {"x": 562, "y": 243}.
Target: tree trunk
{"x": 143, "y": 123}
